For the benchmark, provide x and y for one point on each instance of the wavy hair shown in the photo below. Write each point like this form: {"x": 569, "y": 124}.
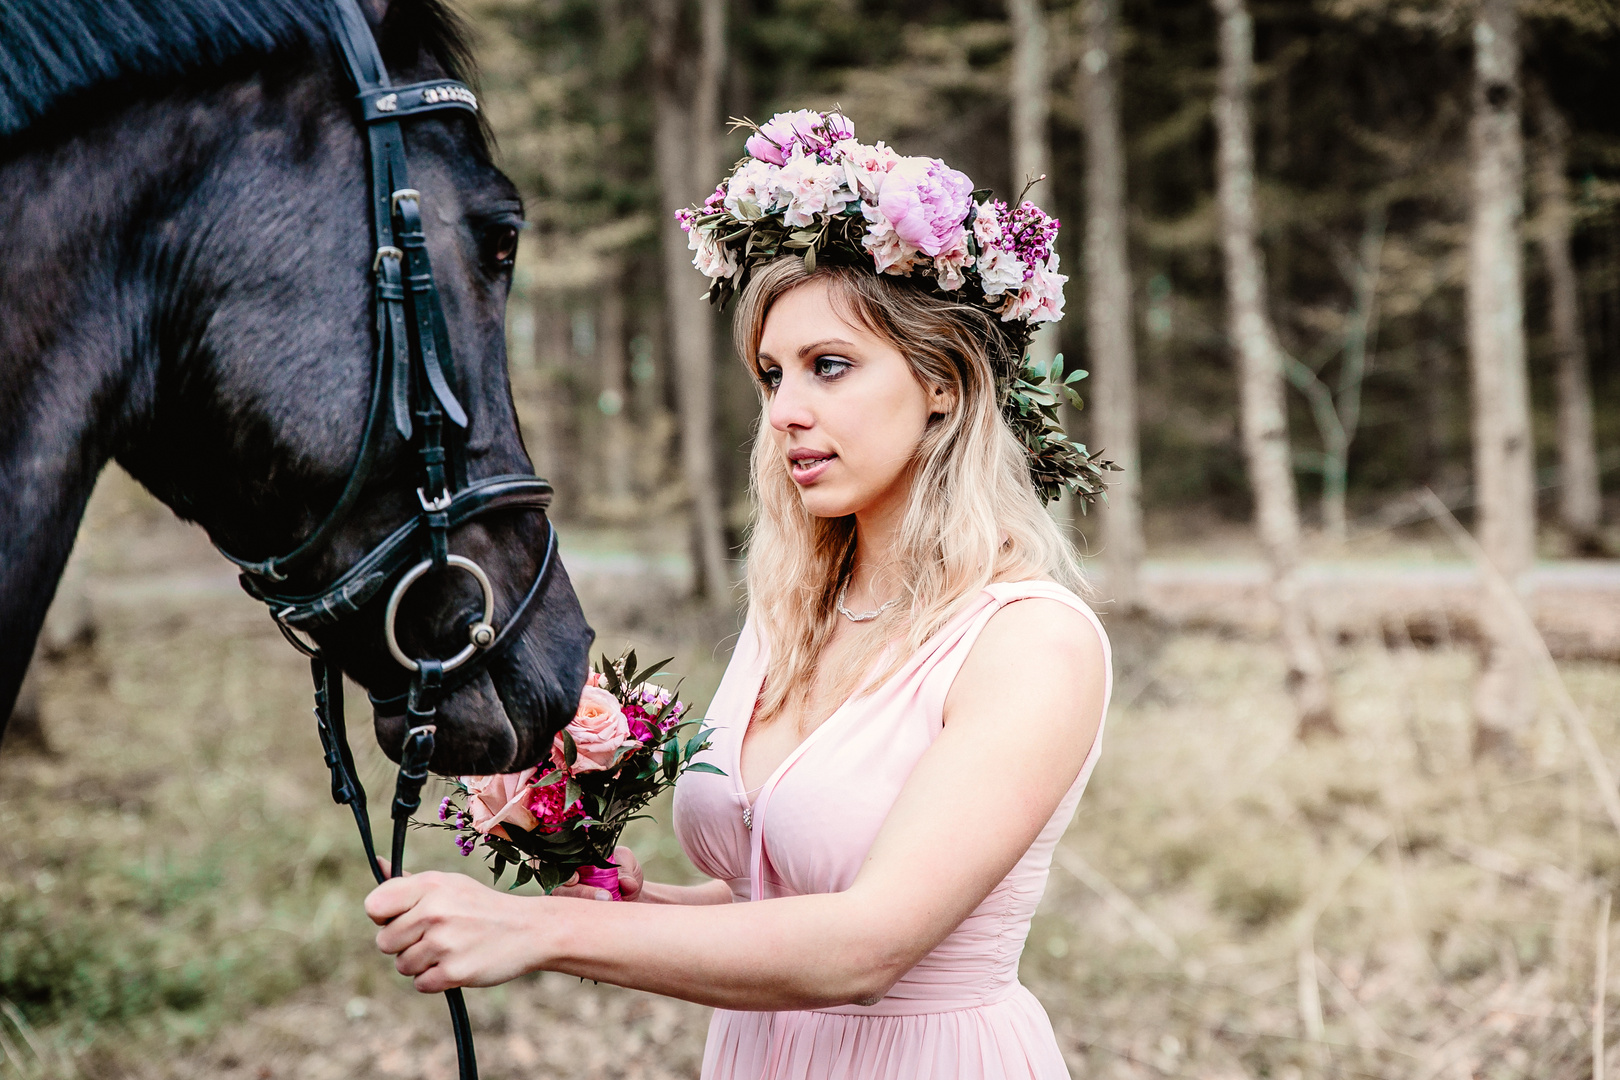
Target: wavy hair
{"x": 973, "y": 515}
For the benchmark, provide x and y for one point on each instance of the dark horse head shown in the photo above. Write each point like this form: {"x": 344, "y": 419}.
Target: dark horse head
{"x": 185, "y": 288}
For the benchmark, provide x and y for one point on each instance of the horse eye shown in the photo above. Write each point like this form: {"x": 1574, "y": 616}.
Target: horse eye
{"x": 500, "y": 245}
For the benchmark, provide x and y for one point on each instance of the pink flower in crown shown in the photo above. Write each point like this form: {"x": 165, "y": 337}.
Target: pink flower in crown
{"x": 751, "y": 191}
{"x": 1000, "y": 270}
{"x": 890, "y": 253}
{"x": 713, "y": 259}
{"x": 987, "y": 225}
{"x": 950, "y": 264}
{"x": 809, "y": 187}
{"x": 1041, "y": 298}
{"x": 816, "y": 132}
{"x": 598, "y": 729}
{"x": 926, "y": 201}
{"x": 503, "y": 797}
{"x": 866, "y": 167}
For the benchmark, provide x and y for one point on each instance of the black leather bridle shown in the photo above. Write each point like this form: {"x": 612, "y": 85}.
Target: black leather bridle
{"x": 412, "y": 383}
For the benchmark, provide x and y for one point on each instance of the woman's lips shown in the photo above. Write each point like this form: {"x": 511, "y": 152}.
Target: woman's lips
{"x": 807, "y": 470}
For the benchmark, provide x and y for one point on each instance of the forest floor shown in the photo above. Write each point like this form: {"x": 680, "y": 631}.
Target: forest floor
{"x": 179, "y": 897}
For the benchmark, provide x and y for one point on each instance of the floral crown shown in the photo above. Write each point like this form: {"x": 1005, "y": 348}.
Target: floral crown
{"x": 808, "y": 187}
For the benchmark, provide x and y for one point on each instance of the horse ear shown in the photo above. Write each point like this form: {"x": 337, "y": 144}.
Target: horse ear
{"x": 375, "y": 11}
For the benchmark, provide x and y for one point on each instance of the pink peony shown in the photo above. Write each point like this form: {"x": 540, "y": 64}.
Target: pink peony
{"x": 598, "y": 730}
{"x": 926, "y": 202}
{"x": 815, "y": 131}
{"x": 502, "y": 797}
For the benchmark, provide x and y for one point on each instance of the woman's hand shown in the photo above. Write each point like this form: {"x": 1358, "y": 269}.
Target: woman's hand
{"x": 446, "y": 930}
{"x": 631, "y": 880}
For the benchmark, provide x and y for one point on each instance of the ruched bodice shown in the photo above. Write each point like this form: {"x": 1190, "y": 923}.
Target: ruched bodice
{"x": 960, "y": 1012}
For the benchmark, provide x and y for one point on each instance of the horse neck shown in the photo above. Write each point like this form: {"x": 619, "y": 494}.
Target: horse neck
{"x": 80, "y": 323}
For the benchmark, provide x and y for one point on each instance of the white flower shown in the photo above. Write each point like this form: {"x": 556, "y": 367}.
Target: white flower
{"x": 865, "y": 166}
{"x": 999, "y": 270}
{"x": 713, "y": 259}
{"x": 808, "y": 187}
{"x": 950, "y": 263}
{"x": 890, "y": 253}
{"x": 987, "y": 225}
{"x": 1041, "y": 298}
{"x": 751, "y": 191}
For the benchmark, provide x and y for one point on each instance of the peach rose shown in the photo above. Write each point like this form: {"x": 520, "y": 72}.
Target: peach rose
{"x": 502, "y": 797}
{"x": 598, "y": 729}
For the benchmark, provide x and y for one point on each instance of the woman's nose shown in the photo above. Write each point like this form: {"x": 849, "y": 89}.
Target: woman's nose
{"x": 788, "y": 408}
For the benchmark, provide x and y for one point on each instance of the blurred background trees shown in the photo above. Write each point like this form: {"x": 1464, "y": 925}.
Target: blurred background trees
{"x": 1402, "y": 154}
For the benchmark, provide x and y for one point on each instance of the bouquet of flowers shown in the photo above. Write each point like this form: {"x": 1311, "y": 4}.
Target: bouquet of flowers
{"x": 629, "y": 740}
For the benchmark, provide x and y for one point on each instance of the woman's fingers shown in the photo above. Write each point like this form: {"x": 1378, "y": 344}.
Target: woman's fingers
{"x": 630, "y": 876}
{"x": 395, "y": 897}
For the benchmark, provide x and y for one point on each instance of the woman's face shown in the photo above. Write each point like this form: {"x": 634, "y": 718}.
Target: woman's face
{"x": 846, "y": 412}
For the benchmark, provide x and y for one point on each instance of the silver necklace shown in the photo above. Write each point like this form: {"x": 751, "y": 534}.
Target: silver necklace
{"x": 865, "y": 616}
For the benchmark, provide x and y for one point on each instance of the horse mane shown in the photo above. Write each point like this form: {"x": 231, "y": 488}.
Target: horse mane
{"x": 56, "y": 52}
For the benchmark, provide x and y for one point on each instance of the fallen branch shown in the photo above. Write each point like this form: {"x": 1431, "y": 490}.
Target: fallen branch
{"x": 1525, "y": 628}
{"x": 1114, "y": 897}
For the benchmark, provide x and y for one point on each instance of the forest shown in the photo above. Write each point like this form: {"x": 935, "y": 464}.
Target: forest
{"x": 1346, "y": 278}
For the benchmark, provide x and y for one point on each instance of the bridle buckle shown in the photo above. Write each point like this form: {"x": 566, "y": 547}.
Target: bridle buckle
{"x": 387, "y": 251}
{"x": 435, "y": 505}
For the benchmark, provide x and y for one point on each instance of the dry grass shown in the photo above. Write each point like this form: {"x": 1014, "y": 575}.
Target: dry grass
{"x": 179, "y": 898}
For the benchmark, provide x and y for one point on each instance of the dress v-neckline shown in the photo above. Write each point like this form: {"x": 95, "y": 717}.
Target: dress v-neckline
{"x": 792, "y": 756}
{"x": 797, "y": 752}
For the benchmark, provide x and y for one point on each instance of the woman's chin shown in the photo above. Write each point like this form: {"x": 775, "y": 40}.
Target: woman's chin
{"x": 827, "y": 503}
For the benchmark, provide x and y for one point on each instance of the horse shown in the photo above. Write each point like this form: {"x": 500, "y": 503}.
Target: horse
{"x": 186, "y": 288}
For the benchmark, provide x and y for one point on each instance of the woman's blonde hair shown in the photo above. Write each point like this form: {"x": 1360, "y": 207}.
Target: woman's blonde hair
{"x": 973, "y": 517}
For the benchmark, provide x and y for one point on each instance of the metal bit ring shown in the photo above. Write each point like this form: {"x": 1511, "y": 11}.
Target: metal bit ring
{"x": 481, "y": 633}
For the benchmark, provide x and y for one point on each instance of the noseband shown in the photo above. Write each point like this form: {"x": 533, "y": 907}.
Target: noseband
{"x": 412, "y": 383}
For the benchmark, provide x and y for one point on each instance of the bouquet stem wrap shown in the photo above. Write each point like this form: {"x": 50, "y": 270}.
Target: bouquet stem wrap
{"x": 600, "y": 878}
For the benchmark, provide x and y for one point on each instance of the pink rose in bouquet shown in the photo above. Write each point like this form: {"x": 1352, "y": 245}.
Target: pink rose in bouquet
{"x": 503, "y": 797}
{"x": 598, "y": 729}
{"x": 629, "y": 739}
{"x": 926, "y": 202}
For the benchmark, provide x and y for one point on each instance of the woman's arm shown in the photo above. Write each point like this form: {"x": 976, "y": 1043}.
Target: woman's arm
{"x": 1019, "y": 722}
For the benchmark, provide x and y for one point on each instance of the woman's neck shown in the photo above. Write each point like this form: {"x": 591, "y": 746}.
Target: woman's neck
{"x": 877, "y": 547}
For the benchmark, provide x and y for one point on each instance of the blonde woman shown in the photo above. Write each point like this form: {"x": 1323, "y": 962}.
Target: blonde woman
{"x": 916, "y": 701}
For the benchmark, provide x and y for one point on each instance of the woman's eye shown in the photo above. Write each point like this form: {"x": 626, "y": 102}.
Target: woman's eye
{"x": 500, "y": 245}
{"x": 771, "y": 378}
{"x": 830, "y": 366}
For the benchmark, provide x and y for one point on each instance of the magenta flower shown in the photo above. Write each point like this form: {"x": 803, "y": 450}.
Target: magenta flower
{"x": 925, "y": 202}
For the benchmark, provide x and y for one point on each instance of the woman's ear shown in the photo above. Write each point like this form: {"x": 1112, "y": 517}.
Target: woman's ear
{"x": 943, "y": 401}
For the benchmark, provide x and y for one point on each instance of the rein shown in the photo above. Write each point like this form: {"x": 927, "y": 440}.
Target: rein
{"x": 411, "y": 384}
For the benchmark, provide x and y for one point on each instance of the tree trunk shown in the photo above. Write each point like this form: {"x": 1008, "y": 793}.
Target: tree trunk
{"x": 682, "y": 137}
{"x": 1579, "y": 500}
{"x": 1504, "y": 698}
{"x": 1108, "y": 304}
{"x": 1265, "y": 418}
{"x": 612, "y": 363}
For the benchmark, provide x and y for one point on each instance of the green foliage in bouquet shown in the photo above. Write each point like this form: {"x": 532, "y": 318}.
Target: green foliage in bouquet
{"x": 576, "y": 810}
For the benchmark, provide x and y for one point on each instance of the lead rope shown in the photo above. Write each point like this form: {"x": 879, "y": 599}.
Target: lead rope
{"x": 413, "y": 772}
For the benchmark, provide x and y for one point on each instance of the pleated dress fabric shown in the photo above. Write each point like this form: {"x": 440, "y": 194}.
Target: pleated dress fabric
{"x": 961, "y": 1013}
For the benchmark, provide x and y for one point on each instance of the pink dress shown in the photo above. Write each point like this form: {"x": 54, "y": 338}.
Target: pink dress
{"x": 961, "y": 1013}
